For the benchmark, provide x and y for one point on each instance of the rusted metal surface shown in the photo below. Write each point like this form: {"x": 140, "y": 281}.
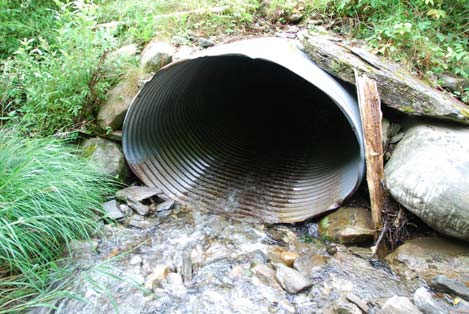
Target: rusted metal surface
{"x": 252, "y": 128}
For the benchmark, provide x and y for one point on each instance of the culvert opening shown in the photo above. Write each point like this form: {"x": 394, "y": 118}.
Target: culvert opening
{"x": 242, "y": 136}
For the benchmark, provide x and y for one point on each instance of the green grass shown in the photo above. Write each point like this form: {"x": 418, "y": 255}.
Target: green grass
{"x": 49, "y": 195}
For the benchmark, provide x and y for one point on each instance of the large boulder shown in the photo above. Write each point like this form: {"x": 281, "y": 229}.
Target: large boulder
{"x": 428, "y": 173}
{"x": 112, "y": 113}
{"x": 107, "y": 155}
{"x": 156, "y": 55}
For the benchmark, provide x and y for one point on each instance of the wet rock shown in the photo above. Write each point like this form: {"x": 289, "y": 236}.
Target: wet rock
{"x": 159, "y": 273}
{"x": 451, "y": 286}
{"x": 291, "y": 280}
{"x": 137, "y": 193}
{"x": 425, "y": 302}
{"x": 156, "y": 55}
{"x": 107, "y": 155}
{"x": 205, "y": 43}
{"x": 139, "y": 208}
{"x": 429, "y": 257}
{"x": 435, "y": 189}
{"x": 112, "y": 211}
{"x": 288, "y": 257}
{"x": 112, "y": 112}
{"x": 399, "y": 305}
{"x": 82, "y": 249}
{"x": 309, "y": 263}
{"x": 266, "y": 276}
{"x": 167, "y": 205}
{"x": 331, "y": 249}
{"x": 347, "y": 225}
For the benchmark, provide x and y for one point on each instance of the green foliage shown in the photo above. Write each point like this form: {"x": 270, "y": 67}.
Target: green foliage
{"x": 53, "y": 86}
{"x": 21, "y": 19}
{"x": 430, "y": 35}
{"x": 49, "y": 195}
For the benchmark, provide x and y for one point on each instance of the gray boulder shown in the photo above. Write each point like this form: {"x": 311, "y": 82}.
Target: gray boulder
{"x": 107, "y": 155}
{"x": 156, "y": 55}
{"x": 429, "y": 174}
{"x": 112, "y": 112}
{"x": 291, "y": 280}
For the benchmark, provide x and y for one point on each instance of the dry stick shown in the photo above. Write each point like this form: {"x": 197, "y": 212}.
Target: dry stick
{"x": 371, "y": 115}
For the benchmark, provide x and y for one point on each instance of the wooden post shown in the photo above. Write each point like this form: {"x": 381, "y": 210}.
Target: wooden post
{"x": 371, "y": 115}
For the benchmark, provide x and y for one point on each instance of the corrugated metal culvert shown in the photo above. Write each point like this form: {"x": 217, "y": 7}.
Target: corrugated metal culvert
{"x": 250, "y": 128}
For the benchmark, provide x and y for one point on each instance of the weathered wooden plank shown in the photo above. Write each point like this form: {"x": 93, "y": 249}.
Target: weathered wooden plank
{"x": 397, "y": 88}
{"x": 370, "y": 112}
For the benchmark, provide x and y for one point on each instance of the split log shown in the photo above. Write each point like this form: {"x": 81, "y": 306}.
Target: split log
{"x": 370, "y": 112}
{"x": 397, "y": 88}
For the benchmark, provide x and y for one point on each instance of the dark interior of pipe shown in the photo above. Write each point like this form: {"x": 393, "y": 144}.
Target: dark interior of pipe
{"x": 235, "y": 134}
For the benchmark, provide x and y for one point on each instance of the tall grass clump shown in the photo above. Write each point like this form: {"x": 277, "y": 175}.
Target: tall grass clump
{"x": 49, "y": 195}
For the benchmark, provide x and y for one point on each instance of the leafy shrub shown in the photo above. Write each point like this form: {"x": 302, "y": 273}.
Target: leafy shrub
{"x": 49, "y": 195}
{"x": 431, "y": 35}
{"x": 21, "y": 19}
{"x": 55, "y": 86}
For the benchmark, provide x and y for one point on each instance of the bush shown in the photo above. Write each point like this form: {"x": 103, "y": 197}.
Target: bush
{"x": 429, "y": 35}
{"x": 49, "y": 195}
{"x": 52, "y": 86}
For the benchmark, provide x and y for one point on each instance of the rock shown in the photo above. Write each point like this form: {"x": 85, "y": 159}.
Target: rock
{"x": 139, "y": 208}
{"x": 266, "y": 276}
{"x": 462, "y": 307}
{"x": 115, "y": 136}
{"x": 125, "y": 209}
{"x": 140, "y": 222}
{"x": 112, "y": 112}
{"x": 107, "y": 155}
{"x": 452, "y": 83}
{"x": 452, "y": 286}
{"x": 123, "y": 52}
{"x": 159, "y": 273}
{"x": 166, "y": 205}
{"x": 403, "y": 92}
{"x": 429, "y": 257}
{"x": 135, "y": 260}
{"x": 205, "y": 43}
{"x": 137, "y": 193}
{"x": 309, "y": 263}
{"x": 347, "y": 225}
{"x": 386, "y": 132}
{"x": 291, "y": 280}
{"x": 82, "y": 249}
{"x": 183, "y": 52}
{"x": 174, "y": 284}
{"x": 429, "y": 174}
{"x": 331, "y": 249}
{"x": 288, "y": 257}
{"x": 399, "y": 305}
{"x": 112, "y": 211}
{"x": 342, "y": 306}
{"x": 425, "y": 302}
{"x": 156, "y": 55}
